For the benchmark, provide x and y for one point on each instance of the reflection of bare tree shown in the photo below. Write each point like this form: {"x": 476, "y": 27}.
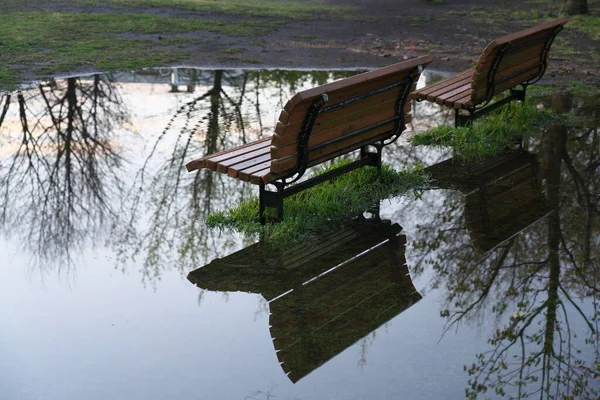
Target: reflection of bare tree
{"x": 541, "y": 286}
{"x": 178, "y": 201}
{"x": 228, "y": 113}
{"x": 58, "y": 180}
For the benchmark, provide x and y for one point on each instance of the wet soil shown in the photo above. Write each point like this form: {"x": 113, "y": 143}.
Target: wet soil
{"x": 386, "y": 31}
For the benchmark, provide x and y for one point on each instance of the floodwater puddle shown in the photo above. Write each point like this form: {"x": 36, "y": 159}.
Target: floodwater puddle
{"x": 112, "y": 286}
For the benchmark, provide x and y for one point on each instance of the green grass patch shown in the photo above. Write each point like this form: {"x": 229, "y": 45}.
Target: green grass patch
{"x": 578, "y": 89}
{"x": 488, "y": 135}
{"x": 52, "y": 41}
{"x": 322, "y": 208}
{"x": 254, "y": 8}
{"x": 587, "y": 24}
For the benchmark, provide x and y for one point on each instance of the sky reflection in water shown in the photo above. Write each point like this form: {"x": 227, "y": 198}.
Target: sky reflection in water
{"x": 101, "y": 224}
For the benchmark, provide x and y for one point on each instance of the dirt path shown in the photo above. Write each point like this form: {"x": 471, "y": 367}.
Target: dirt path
{"x": 386, "y": 31}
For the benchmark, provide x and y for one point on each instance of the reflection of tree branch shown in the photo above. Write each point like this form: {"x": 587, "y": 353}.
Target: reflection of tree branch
{"x": 55, "y": 189}
{"x": 6, "y": 99}
{"x": 487, "y": 286}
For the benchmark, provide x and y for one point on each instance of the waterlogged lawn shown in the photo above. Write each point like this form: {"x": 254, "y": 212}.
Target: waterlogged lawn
{"x": 49, "y": 42}
{"x": 489, "y": 135}
{"x": 324, "y": 207}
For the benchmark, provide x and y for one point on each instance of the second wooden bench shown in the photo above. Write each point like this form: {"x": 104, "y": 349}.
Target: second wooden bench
{"x": 518, "y": 59}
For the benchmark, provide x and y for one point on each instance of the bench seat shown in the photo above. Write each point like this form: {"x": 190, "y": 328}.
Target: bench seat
{"x": 250, "y": 162}
{"x": 453, "y": 92}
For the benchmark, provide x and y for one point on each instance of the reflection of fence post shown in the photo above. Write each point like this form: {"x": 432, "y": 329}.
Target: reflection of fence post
{"x": 191, "y": 87}
{"x": 174, "y": 80}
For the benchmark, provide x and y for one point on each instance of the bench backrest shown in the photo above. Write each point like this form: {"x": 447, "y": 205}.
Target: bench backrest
{"x": 517, "y": 58}
{"x": 345, "y": 115}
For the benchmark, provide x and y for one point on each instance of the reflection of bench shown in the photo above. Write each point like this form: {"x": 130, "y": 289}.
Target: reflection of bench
{"x": 319, "y": 124}
{"x": 516, "y": 59}
{"x": 502, "y": 195}
{"x": 323, "y": 296}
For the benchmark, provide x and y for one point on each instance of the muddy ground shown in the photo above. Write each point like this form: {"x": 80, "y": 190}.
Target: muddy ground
{"x": 386, "y": 31}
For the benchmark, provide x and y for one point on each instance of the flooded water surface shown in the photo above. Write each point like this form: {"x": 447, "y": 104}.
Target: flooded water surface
{"x": 485, "y": 284}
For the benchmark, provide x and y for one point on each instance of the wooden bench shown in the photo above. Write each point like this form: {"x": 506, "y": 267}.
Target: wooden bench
{"x": 324, "y": 295}
{"x": 366, "y": 112}
{"x": 518, "y": 59}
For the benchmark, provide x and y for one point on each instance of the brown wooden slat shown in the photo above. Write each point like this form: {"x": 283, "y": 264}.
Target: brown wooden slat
{"x": 223, "y": 166}
{"x": 462, "y": 102}
{"x": 264, "y": 176}
{"x": 234, "y": 170}
{"x": 287, "y": 134}
{"x": 362, "y": 80}
{"x": 507, "y": 84}
{"x": 285, "y": 164}
{"x": 245, "y": 174}
{"x": 546, "y": 26}
{"x": 466, "y": 92}
{"x": 211, "y": 162}
{"x": 369, "y": 117}
{"x": 201, "y": 162}
{"x": 459, "y": 90}
{"x": 480, "y": 78}
{"x": 510, "y": 60}
{"x": 520, "y": 37}
{"x": 422, "y": 93}
{"x": 288, "y": 159}
{"x": 441, "y": 92}
{"x": 351, "y": 87}
{"x": 298, "y": 114}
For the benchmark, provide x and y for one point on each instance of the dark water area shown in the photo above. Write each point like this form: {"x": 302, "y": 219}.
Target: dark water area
{"x": 112, "y": 286}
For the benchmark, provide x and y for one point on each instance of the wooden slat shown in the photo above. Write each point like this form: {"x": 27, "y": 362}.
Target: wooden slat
{"x": 462, "y": 102}
{"x": 368, "y": 117}
{"x": 512, "y": 59}
{"x": 546, "y": 26}
{"x": 297, "y": 115}
{"x": 245, "y": 174}
{"x": 350, "y": 87}
{"x": 453, "y": 93}
{"x": 201, "y": 162}
{"x": 287, "y": 134}
{"x": 441, "y": 92}
{"x": 211, "y": 162}
{"x": 234, "y": 170}
{"x": 506, "y": 84}
{"x": 480, "y": 78}
{"x": 285, "y": 164}
{"x": 264, "y": 176}
{"x": 223, "y": 166}
{"x": 285, "y": 159}
{"x": 422, "y": 93}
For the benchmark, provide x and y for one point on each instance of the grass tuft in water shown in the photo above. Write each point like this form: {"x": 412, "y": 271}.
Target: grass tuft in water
{"x": 324, "y": 207}
{"x": 489, "y": 135}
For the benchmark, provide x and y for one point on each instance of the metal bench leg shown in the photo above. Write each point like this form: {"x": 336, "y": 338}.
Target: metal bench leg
{"x": 374, "y": 157}
{"x": 279, "y": 206}
{"x": 271, "y": 199}
{"x": 462, "y": 120}
{"x": 261, "y": 204}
